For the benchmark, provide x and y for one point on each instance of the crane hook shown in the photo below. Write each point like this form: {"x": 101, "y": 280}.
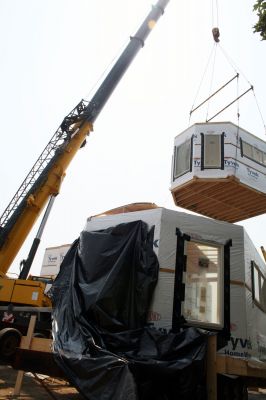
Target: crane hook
{"x": 216, "y": 34}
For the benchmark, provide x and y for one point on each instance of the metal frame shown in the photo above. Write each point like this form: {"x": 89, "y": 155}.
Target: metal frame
{"x": 57, "y": 142}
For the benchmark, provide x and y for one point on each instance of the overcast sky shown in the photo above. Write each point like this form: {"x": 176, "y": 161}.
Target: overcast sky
{"x": 54, "y": 52}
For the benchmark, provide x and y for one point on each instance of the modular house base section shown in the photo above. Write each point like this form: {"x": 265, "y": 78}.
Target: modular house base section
{"x": 39, "y": 359}
{"x": 251, "y": 373}
{"x": 244, "y": 355}
{"x": 247, "y": 318}
{"x": 224, "y": 199}
{"x": 36, "y": 361}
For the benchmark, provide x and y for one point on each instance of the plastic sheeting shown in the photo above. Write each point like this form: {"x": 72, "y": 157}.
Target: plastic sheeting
{"x": 248, "y": 320}
{"x": 101, "y": 298}
{"x": 165, "y": 222}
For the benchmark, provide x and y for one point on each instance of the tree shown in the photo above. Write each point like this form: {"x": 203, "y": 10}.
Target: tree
{"x": 260, "y": 26}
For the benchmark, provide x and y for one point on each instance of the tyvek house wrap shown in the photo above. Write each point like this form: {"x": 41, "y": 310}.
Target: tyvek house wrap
{"x": 219, "y": 170}
{"x": 52, "y": 259}
{"x": 247, "y": 320}
{"x": 250, "y": 172}
{"x": 101, "y": 297}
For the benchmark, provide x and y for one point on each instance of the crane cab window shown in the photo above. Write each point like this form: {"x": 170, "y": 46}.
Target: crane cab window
{"x": 182, "y": 159}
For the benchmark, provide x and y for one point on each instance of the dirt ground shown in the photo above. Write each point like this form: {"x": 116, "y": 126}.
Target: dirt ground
{"x": 35, "y": 387}
{"x": 42, "y": 387}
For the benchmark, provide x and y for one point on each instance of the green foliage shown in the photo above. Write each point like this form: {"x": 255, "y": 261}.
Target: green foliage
{"x": 260, "y": 26}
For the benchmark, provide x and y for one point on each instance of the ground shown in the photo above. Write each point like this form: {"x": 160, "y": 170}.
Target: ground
{"x": 261, "y": 395}
{"x": 39, "y": 387}
{"x": 46, "y": 388}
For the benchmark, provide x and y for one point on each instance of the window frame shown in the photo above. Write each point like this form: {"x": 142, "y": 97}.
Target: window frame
{"x": 220, "y": 285}
{"x": 189, "y": 169}
{"x": 254, "y": 148}
{"x": 178, "y": 320}
{"x": 219, "y": 165}
{"x": 262, "y": 280}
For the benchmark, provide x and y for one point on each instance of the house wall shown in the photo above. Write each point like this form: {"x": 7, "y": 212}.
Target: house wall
{"x": 248, "y": 321}
{"x": 246, "y": 170}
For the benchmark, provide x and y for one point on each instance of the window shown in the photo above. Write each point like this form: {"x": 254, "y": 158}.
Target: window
{"x": 253, "y": 153}
{"x": 247, "y": 149}
{"x": 182, "y": 159}
{"x": 212, "y": 151}
{"x": 203, "y": 284}
{"x": 258, "y": 286}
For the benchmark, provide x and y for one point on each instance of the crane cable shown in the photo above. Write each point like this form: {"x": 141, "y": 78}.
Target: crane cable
{"x": 215, "y": 21}
{"x": 212, "y": 79}
{"x": 105, "y": 72}
{"x": 216, "y": 35}
{"x": 201, "y": 82}
{"x": 231, "y": 62}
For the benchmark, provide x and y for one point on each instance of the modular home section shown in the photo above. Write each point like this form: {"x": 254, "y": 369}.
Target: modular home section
{"x": 193, "y": 265}
{"x": 219, "y": 170}
{"x": 195, "y": 261}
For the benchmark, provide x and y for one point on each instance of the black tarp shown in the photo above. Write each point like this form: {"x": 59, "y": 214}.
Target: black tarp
{"x": 101, "y": 298}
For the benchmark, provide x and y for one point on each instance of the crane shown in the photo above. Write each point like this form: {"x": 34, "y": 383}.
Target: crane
{"x": 46, "y": 176}
{"x": 42, "y": 184}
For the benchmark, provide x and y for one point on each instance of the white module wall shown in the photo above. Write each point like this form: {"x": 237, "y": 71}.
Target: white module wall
{"x": 52, "y": 259}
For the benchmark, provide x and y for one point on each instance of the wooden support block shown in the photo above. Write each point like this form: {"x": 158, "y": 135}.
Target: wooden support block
{"x": 18, "y": 384}
{"x": 27, "y": 341}
{"x": 37, "y": 344}
{"x": 231, "y": 366}
{"x": 240, "y": 367}
{"x": 38, "y": 362}
{"x": 211, "y": 368}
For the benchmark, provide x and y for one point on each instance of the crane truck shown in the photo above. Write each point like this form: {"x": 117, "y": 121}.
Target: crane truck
{"x": 40, "y": 187}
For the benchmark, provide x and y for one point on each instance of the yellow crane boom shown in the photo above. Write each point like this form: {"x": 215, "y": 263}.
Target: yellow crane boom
{"x": 46, "y": 176}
